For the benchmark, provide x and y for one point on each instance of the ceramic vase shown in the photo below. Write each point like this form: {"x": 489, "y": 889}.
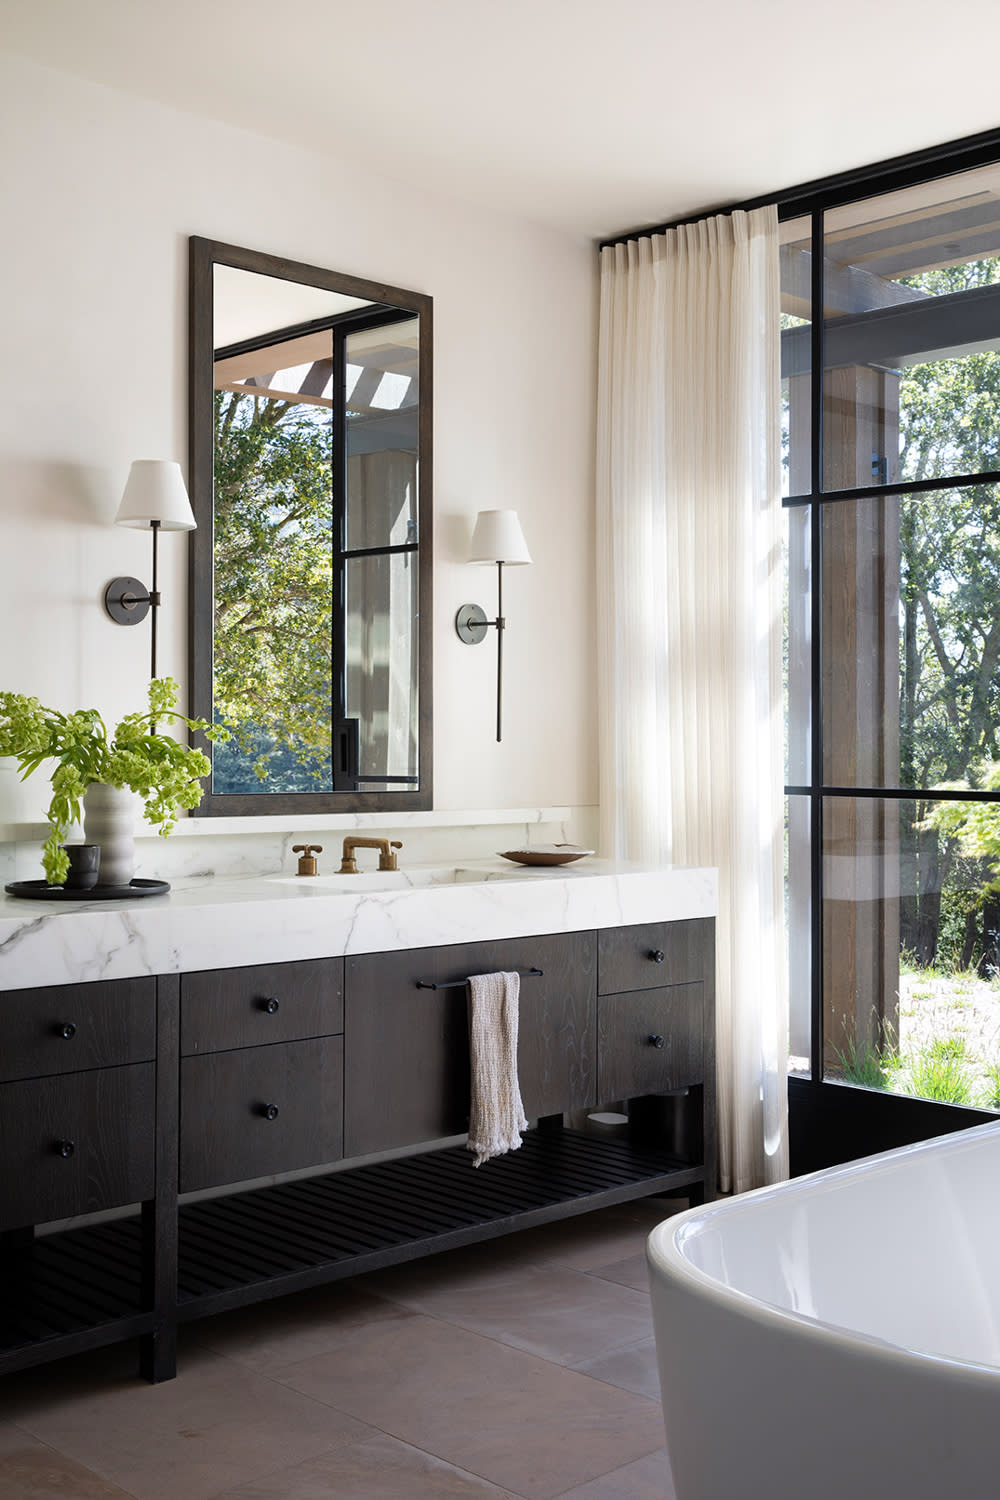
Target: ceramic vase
{"x": 109, "y": 820}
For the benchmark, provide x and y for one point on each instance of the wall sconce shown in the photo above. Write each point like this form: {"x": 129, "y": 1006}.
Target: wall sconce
{"x": 497, "y": 538}
{"x": 155, "y": 496}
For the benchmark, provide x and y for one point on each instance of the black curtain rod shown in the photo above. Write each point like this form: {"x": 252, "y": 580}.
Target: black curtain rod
{"x": 823, "y": 192}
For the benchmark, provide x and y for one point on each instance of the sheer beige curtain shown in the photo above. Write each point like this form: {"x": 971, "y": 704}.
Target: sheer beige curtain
{"x": 690, "y": 620}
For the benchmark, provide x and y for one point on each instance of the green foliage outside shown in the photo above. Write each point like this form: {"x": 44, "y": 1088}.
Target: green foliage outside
{"x": 949, "y": 421}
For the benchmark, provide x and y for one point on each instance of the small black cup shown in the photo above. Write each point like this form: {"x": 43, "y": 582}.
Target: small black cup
{"x": 84, "y": 862}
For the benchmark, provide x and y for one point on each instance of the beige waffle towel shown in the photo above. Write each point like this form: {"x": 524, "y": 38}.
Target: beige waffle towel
{"x": 496, "y": 1114}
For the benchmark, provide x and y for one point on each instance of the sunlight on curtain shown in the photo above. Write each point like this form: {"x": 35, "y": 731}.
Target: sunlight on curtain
{"x": 690, "y": 621}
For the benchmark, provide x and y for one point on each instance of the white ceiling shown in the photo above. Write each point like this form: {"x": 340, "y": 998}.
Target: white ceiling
{"x": 589, "y": 117}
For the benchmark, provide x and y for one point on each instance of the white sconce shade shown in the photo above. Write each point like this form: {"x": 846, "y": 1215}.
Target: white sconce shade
{"x": 155, "y": 499}
{"x": 498, "y": 538}
{"x": 155, "y": 493}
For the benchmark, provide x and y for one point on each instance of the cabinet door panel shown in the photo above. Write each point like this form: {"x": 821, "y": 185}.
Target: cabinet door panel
{"x": 630, "y": 1061}
{"x": 655, "y": 954}
{"x": 407, "y": 1076}
{"x": 76, "y": 1144}
{"x": 260, "y": 1005}
{"x": 226, "y": 1134}
{"x": 66, "y": 1028}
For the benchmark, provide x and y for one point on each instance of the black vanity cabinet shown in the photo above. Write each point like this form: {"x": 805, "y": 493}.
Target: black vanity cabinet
{"x": 407, "y": 1036}
{"x": 262, "y": 1069}
{"x": 87, "y": 1126}
{"x": 344, "y": 1082}
{"x": 76, "y": 1100}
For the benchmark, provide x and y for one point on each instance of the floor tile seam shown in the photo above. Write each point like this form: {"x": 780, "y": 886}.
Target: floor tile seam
{"x": 502, "y": 1490}
{"x": 296, "y": 1463}
{"x": 618, "y": 1468}
{"x": 61, "y": 1453}
{"x": 613, "y": 1349}
{"x": 510, "y": 1341}
{"x": 482, "y": 1338}
{"x": 574, "y": 1271}
{"x": 651, "y": 1401}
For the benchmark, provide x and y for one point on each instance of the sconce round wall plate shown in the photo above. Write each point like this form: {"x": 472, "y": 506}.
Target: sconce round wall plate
{"x": 471, "y": 624}
{"x": 126, "y": 601}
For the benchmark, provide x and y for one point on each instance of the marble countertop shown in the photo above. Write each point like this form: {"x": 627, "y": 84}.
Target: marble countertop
{"x": 215, "y": 922}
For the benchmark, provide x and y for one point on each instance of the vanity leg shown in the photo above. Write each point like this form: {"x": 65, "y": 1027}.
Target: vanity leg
{"x": 158, "y": 1350}
{"x": 158, "y": 1354}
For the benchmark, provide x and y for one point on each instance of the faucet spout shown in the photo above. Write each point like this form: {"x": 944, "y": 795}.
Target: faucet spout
{"x": 385, "y": 847}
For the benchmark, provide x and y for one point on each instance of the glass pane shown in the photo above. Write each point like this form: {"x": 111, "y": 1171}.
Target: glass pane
{"x": 273, "y": 574}
{"x": 381, "y": 662}
{"x": 911, "y": 994}
{"x": 798, "y": 646}
{"x": 796, "y": 377}
{"x": 798, "y": 917}
{"x": 912, "y": 334}
{"x": 911, "y": 638}
{"x": 382, "y": 435}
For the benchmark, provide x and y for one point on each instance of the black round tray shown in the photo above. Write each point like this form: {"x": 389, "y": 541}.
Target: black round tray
{"x": 40, "y": 890}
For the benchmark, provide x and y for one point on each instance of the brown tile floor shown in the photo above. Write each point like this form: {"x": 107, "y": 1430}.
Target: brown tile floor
{"x": 522, "y": 1368}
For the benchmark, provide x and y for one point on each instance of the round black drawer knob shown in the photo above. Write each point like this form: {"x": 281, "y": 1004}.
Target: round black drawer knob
{"x": 66, "y": 1029}
{"x": 271, "y": 1005}
{"x": 656, "y": 1041}
{"x": 65, "y": 1148}
{"x": 269, "y": 1111}
{"x": 657, "y": 955}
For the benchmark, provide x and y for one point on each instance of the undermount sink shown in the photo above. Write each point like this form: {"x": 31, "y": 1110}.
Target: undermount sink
{"x": 417, "y": 878}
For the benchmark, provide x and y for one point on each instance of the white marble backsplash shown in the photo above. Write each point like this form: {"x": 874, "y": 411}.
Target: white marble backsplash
{"x": 227, "y": 847}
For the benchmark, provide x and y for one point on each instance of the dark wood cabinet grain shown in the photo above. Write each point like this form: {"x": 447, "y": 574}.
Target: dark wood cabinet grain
{"x": 407, "y": 1077}
{"x": 654, "y": 954}
{"x": 260, "y": 1110}
{"x": 76, "y": 1143}
{"x": 67, "y": 1028}
{"x": 262, "y": 1004}
{"x": 651, "y": 1041}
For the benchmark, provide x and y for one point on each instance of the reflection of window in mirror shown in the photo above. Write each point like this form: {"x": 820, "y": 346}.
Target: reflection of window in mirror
{"x": 315, "y": 435}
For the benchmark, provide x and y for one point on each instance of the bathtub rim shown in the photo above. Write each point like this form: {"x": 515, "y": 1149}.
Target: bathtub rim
{"x": 666, "y": 1259}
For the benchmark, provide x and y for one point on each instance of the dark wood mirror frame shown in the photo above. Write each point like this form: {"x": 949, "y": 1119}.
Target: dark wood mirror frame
{"x": 204, "y": 256}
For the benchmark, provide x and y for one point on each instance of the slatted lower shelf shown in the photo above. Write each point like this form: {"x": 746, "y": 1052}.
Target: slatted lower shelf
{"x": 65, "y": 1292}
{"x": 269, "y": 1241}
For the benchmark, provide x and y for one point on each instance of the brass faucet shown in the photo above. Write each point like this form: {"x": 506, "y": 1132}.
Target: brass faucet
{"x": 386, "y": 858}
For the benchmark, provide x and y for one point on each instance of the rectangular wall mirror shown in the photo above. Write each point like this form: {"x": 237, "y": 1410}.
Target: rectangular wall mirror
{"x": 310, "y": 476}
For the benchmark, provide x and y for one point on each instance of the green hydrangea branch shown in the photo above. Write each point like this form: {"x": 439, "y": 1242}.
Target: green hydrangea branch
{"x": 165, "y": 773}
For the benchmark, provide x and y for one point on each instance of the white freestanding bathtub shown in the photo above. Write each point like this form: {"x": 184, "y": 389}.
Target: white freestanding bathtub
{"x": 838, "y": 1337}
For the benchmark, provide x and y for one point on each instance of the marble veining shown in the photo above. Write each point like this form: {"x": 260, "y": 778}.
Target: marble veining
{"x": 213, "y": 922}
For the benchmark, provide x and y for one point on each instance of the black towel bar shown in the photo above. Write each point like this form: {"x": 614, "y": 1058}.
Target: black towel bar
{"x": 454, "y": 984}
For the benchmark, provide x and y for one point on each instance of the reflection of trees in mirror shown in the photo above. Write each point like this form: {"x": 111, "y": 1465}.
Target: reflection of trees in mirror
{"x": 273, "y": 592}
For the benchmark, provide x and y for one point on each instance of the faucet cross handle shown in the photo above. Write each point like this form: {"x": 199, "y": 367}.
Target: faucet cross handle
{"x": 307, "y": 857}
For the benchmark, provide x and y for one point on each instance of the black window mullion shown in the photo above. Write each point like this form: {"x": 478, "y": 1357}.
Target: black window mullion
{"x": 816, "y": 769}
{"x": 338, "y": 540}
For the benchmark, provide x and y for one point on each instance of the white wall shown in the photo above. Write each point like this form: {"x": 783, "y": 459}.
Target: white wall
{"x": 99, "y": 192}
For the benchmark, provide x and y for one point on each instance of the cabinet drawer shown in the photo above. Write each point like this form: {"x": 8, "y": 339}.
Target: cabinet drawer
{"x": 75, "y": 1144}
{"x": 628, "y": 1026}
{"x": 655, "y": 954}
{"x": 227, "y": 1008}
{"x": 67, "y": 1028}
{"x": 408, "y": 1048}
{"x": 226, "y": 1134}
